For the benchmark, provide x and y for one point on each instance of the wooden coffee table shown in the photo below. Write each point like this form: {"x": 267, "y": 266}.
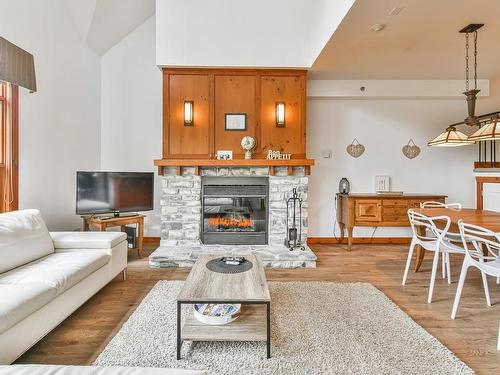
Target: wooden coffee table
{"x": 247, "y": 288}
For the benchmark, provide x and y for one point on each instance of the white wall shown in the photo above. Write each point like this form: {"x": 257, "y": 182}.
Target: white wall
{"x": 384, "y": 126}
{"x": 131, "y": 92}
{"x": 257, "y": 33}
{"x": 59, "y": 125}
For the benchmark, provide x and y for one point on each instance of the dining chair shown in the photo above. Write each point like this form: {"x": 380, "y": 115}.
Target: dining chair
{"x": 433, "y": 204}
{"x": 431, "y": 238}
{"x": 482, "y": 250}
{"x": 450, "y": 236}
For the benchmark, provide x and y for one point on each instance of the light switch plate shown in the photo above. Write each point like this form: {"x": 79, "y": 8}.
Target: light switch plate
{"x": 327, "y": 154}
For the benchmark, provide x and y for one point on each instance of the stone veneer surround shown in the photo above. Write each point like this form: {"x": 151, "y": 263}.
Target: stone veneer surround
{"x": 181, "y": 215}
{"x": 181, "y": 202}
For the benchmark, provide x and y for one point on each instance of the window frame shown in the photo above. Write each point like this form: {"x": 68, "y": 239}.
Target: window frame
{"x": 9, "y": 146}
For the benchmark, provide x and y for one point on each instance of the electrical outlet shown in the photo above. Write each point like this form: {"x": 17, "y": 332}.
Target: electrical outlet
{"x": 327, "y": 154}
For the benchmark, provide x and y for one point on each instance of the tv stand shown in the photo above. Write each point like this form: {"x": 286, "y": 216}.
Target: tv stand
{"x": 102, "y": 223}
{"x": 124, "y": 214}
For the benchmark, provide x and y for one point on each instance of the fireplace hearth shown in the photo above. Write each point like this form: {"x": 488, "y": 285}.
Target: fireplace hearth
{"x": 235, "y": 210}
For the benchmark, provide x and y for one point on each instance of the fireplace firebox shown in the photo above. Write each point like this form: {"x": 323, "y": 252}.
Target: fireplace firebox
{"x": 235, "y": 210}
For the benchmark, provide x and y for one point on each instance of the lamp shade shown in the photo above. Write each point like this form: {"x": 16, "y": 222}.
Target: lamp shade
{"x": 490, "y": 132}
{"x": 16, "y": 65}
{"x": 450, "y": 138}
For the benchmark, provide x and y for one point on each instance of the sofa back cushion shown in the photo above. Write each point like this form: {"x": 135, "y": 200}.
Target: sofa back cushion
{"x": 23, "y": 238}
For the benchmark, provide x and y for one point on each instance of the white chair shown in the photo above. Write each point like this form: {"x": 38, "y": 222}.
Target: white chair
{"x": 483, "y": 252}
{"x": 450, "y": 236}
{"x": 435, "y": 241}
{"x": 476, "y": 240}
{"x": 433, "y": 204}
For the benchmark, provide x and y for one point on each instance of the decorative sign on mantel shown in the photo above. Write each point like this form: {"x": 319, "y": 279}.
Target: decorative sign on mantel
{"x": 277, "y": 155}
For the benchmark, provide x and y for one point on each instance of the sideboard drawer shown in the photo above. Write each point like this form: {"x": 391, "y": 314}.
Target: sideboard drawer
{"x": 395, "y": 202}
{"x": 396, "y": 220}
{"x": 394, "y": 210}
{"x": 416, "y": 203}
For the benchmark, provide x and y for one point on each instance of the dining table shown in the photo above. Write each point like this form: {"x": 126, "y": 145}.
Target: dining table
{"x": 483, "y": 218}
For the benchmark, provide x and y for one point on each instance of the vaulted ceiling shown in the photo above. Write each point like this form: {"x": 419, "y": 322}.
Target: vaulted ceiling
{"x": 103, "y": 23}
{"x": 421, "y": 42}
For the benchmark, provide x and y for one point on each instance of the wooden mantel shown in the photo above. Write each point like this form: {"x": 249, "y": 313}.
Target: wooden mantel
{"x": 197, "y": 163}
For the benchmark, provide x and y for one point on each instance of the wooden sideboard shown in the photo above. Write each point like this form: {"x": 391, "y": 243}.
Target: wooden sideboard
{"x": 377, "y": 210}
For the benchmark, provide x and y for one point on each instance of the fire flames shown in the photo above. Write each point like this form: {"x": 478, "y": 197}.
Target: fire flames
{"x": 228, "y": 222}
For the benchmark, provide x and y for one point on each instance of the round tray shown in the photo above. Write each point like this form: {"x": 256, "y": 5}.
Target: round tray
{"x": 218, "y": 320}
{"x": 217, "y": 265}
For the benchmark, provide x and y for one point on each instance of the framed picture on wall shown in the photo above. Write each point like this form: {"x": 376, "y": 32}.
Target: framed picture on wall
{"x": 236, "y": 121}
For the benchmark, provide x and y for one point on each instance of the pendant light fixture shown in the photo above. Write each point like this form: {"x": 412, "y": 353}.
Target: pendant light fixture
{"x": 489, "y": 132}
{"x": 471, "y": 94}
{"x": 451, "y": 136}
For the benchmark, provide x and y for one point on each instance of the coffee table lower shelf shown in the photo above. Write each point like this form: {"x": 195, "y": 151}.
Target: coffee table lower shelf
{"x": 253, "y": 324}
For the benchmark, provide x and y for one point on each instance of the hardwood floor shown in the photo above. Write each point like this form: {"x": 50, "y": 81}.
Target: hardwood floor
{"x": 472, "y": 336}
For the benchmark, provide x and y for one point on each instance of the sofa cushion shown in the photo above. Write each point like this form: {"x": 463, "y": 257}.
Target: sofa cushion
{"x": 59, "y": 270}
{"x": 91, "y": 370}
{"x": 19, "y": 301}
{"x": 23, "y": 238}
{"x": 87, "y": 240}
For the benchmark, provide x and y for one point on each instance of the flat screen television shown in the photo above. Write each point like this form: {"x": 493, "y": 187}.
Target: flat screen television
{"x": 113, "y": 192}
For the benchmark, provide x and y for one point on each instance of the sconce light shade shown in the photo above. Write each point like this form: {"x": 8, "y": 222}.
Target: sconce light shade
{"x": 490, "y": 132}
{"x": 450, "y": 138}
{"x": 280, "y": 114}
{"x": 188, "y": 112}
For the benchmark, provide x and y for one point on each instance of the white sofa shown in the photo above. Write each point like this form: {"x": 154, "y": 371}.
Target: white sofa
{"x": 44, "y": 277}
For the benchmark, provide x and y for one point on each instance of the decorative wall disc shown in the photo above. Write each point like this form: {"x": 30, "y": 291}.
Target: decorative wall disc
{"x": 411, "y": 150}
{"x": 355, "y": 149}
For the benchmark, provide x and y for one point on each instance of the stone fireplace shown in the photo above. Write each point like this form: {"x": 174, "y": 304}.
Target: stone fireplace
{"x": 233, "y": 210}
{"x": 205, "y": 206}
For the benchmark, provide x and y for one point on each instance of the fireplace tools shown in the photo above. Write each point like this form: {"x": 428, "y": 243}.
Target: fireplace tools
{"x": 293, "y": 238}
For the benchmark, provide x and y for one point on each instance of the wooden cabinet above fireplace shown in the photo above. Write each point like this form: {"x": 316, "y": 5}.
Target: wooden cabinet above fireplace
{"x": 217, "y": 92}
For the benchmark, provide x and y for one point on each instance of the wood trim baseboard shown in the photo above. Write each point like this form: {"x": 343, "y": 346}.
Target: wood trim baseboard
{"x": 360, "y": 240}
{"x": 327, "y": 240}
{"x": 151, "y": 240}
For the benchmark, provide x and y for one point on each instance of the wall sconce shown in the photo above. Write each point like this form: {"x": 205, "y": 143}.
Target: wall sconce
{"x": 188, "y": 112}
{"x": 280, "y": 114}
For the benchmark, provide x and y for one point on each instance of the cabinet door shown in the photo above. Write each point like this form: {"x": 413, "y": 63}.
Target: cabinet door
{"x": 234, "y": 94}
{"x": 291, "y": 138}
{"x": 368, "y": 210}
{"x": 189, "y": 141}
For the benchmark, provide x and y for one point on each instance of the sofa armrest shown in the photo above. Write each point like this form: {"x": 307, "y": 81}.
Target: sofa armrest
{"x": 87, "y": 240}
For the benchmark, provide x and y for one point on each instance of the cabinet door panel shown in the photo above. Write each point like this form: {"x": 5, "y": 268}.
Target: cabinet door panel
{"x": 195, "y": 140}
{"x": 290, "y": 138}
{"x": 368, "y": 210}
{"x": 234, "y": 94}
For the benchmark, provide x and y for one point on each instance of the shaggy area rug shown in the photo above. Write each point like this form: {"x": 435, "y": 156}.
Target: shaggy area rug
{"x": 317, "y": 328}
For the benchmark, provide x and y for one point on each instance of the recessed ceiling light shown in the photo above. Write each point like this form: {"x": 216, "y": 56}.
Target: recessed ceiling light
{"x": 378, "y": 27}
{"x": 395, "y": 11}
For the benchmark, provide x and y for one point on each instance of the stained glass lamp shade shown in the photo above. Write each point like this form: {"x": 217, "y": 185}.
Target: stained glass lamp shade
{"x": 451, "y": 138}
